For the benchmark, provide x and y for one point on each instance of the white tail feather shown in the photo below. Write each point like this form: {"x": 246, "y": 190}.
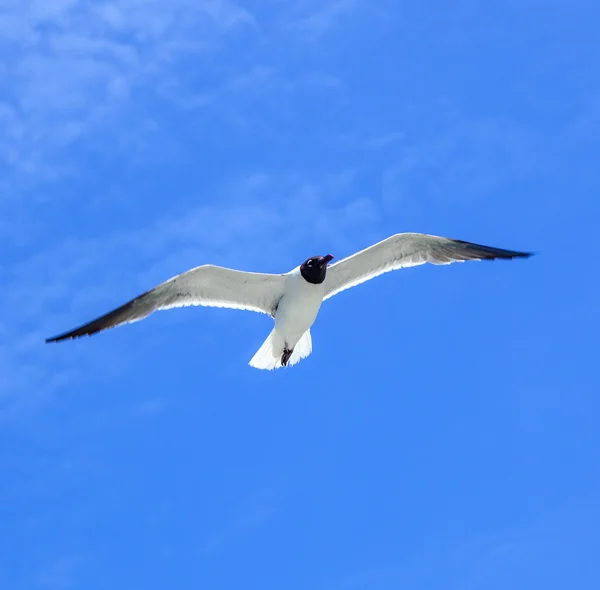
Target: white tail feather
{"x": 302, "y": 349}
{"x": 268, "y": 356}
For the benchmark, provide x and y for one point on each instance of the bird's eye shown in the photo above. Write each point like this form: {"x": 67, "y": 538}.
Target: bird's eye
{"x": 309, "y": 263}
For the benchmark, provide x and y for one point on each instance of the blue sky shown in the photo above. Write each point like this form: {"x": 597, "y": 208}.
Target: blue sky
{"x": 443, "y": 434}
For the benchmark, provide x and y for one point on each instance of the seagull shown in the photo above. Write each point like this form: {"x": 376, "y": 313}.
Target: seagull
{"x": 292, "y": 299}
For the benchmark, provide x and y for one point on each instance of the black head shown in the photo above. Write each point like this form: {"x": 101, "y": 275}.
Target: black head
{"x": 314, "y": 269}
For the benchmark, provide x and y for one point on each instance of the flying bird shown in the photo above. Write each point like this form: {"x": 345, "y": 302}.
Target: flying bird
{"x": 293, "y": 299}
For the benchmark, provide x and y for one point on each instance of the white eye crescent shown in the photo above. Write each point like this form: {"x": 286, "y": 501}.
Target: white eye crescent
{"x": 309, "y": 263}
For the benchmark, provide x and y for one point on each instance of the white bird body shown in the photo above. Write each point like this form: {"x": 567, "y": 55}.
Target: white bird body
{"x": 292, "y": 299}
{"x": 296, "y": 312}
{"x": 298, "y": 307}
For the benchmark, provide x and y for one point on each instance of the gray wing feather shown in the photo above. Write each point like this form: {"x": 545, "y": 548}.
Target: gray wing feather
{"x": 208, "y": 285}
{"x": 402, "y": 251}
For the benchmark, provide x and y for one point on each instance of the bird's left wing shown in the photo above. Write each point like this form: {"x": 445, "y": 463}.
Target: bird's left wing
{"x": 208, "y": 285}
{"x": 404, "y": 250}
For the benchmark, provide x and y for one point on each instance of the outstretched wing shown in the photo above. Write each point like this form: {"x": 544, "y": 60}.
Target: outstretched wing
{"x": 212, "y": 286}
{"x": 404, "y": 250}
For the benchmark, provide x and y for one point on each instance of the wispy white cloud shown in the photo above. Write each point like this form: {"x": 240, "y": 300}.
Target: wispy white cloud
{"x": 318, "y": 18}
{"x": 316, "y": 21}
{"x": 71, "y": 66}
{"x": 73, "y": 72}
{"x": 260, "y": 82}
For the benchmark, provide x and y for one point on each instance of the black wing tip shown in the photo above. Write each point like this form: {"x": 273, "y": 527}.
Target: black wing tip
{"x": 505, "y": 255}
{"x": 519, "y": 255}
{"x": 67, "y": 336}
{"x": 510, "y": 254}
{"x": 112, "y": 319}
{"x": 102, "y": 323}
{"x": 491, "y": 253}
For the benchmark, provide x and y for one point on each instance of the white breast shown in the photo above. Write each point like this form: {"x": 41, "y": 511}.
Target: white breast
{"x": 298, "y": 308}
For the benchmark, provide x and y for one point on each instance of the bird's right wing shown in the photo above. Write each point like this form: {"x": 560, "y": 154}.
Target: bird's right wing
{"x": 404, "y": 250}
{"x": 208, "y": 285}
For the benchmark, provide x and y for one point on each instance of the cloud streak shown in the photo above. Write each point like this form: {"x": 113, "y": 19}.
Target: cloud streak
{"x": 71, "y": 67}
